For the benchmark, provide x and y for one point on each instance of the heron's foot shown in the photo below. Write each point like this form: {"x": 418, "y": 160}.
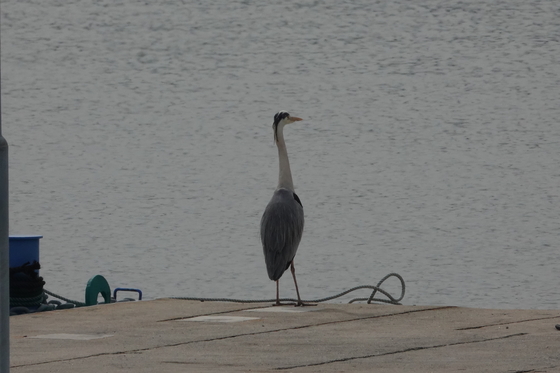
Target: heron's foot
{"x": 284, "y": 304}
{"x": 301, "y": 304}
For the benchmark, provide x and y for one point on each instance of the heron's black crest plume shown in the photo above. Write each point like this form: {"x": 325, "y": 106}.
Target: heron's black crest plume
{"x": 277, "y": 118}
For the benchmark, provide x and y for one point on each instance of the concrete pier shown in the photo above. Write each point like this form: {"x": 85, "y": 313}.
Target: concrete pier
{"x": 168, "y": 335}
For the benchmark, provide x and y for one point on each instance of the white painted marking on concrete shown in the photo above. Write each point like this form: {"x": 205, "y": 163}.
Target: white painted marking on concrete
{"x": 284, "y": 309}
{"x": 220, "y": 318}
{"x": 75, "y": 337}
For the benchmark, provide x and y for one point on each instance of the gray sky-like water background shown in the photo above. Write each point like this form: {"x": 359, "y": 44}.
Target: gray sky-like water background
{"x": 141, "y": 145}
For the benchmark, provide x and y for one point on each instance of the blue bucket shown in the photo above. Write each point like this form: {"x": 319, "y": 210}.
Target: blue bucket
{"x": 24, "y": 249}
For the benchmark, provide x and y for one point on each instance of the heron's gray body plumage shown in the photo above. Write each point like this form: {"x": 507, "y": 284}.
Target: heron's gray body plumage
{"x": 281, "y": 231}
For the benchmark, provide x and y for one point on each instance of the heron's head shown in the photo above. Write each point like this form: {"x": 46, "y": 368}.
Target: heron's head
{"x": 280, "y": 120}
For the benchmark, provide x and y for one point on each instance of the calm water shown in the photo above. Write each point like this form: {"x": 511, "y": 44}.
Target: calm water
{"x": 141, "y": 144}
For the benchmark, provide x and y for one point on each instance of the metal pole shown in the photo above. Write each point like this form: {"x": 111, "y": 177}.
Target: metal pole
{"x": 4, "y": 258}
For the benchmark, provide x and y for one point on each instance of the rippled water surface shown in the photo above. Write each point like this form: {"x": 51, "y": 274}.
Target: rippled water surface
{"x": 141, "y": 144}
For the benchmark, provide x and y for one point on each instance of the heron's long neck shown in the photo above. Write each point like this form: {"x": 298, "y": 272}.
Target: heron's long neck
{"x": 285, "y": 176}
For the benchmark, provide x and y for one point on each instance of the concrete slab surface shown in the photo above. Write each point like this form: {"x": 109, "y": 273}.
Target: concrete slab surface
{"x": 150, "y": 336}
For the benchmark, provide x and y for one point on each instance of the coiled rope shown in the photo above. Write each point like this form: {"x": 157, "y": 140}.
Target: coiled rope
{"x": 39, "y": 303}
{"x": 27, "y": 302}
{"x": 40, "y": 299}
{"x": 376, "y": 288}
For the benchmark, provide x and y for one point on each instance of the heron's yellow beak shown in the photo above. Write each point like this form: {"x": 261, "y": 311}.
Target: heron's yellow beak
{"x": 295, "y": 119}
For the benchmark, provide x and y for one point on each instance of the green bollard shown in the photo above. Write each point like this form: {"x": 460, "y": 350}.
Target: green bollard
{"x": 97, "y": 284}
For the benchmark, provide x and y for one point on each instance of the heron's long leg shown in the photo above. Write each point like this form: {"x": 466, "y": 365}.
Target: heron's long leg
{"x": 278, "y": 303}
{"x": 299, "y": 303}
{"x": 293, "y": 269}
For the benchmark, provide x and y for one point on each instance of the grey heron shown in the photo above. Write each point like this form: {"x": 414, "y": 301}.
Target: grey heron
{"x": 282, "y": 221}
